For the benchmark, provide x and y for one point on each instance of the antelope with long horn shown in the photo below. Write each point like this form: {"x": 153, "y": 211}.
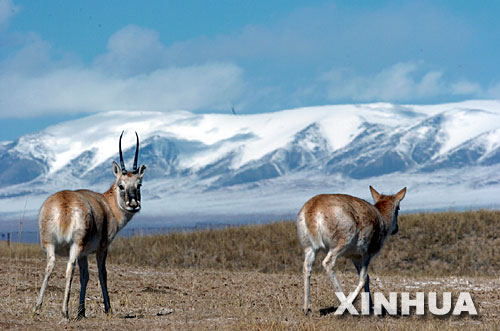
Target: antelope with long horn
{"x": 78, "y": 223}
{"x": 343, "y": 225}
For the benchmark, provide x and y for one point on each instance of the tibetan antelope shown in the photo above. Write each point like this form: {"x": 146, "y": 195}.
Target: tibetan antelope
{"x": 78, "y": 223}
{"x": 343, "y": 225}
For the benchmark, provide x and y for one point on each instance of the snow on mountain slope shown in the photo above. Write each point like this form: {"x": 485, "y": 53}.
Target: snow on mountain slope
{"x": 339, "y": 124}
{"x": 462, "y": 124}
{"x": 282, "y": 156}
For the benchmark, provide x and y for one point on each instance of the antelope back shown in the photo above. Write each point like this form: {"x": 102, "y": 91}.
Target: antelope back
{"x": 329, "y": 218}
{"x": 66, "y": 217}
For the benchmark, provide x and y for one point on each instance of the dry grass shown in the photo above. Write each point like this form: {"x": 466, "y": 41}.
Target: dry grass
{"x": 247, "y": 278}
{"x": 440, "y": 244}
{"x": 432, "y": 244}
{"x": 429, "y": 244}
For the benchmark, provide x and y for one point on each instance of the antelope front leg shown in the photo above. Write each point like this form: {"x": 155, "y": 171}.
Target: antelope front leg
{"x": 83, "y": 264}
{"x": 363, "y": 276}
{"x": 103, "y": 278}
{"x": 329, "y": 266}
{"x": 358, "y": 264}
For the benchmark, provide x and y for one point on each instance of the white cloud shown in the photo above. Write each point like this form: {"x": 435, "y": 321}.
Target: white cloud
{"x": 259, "y": 67}
{"x": 131, "y": 75}
{"x": 493, "y": 91}
{"x": 32, "y": 58}
{"x": 132, "y": 50}
{"x": 466, "y": 87}
{"x": 401, "y": 82}
{"x": 70, "y": 90}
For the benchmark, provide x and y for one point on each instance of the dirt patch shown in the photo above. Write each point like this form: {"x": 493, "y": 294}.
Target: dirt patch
{"x": 165, "y": 298}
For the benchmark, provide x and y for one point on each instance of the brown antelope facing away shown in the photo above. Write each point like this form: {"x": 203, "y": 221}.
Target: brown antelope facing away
{"x": 343, "y": 225}
{"x": 78, "y": 223}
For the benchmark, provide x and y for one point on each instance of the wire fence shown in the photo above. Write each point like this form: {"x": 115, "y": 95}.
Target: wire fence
{"x": 34, "y": 236}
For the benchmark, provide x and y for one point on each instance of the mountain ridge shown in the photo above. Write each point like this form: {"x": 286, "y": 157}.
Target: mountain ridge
{"x": 228, "y": 156}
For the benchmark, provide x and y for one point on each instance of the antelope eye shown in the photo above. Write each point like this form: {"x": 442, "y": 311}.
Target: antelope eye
{"x": 121, "y": 187}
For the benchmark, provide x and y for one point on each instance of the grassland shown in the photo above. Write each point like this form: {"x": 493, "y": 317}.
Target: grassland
{"x": 250, "y": 278}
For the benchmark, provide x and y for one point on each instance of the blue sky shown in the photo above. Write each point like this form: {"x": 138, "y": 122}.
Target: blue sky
{"x": 65, "y": 59}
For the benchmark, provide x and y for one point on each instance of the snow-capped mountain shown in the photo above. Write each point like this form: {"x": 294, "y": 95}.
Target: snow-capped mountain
{"x": 448, "y": 155}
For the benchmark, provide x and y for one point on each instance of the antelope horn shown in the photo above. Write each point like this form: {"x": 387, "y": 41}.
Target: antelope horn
{"x": 136, "y": 153}
{"x": 122, "y": 164}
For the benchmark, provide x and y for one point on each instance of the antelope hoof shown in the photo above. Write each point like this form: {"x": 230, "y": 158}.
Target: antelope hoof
{"x": 36, "y": 309}
{"x": 307, "y": 311}
{"x": 64, "y": 320}
{"x": 35, "y": 312}
{"x": 81, "y": 314}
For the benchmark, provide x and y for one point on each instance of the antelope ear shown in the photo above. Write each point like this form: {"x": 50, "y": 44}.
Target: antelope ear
{"x": 142, "y": 170}
{"x": 401, "y": 194}
{"x": 375, "y": 195}
{"x": 116, "y": 169}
